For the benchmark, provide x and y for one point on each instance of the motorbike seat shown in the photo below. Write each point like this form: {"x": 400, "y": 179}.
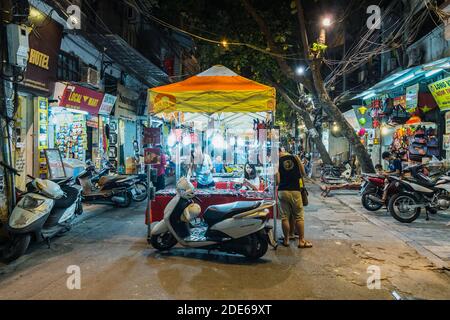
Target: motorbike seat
{"x": 71, "y": 196}
{"x": 106, "y": 179}
{"x": 217, "y": 213}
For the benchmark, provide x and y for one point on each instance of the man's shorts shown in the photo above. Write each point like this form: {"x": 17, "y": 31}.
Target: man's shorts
{"x": 291, "y": 204}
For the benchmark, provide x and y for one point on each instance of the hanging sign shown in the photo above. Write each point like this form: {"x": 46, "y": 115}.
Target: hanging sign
{"x": 400, "y": 101}
{"x": 107, "y": 104}
{"x": 447, "y": 122}
{"x": 152, "y": 136}
{"x": 152, "y": 156}
{"x": 81, "y": 98}
{"x": 412, "y": 98}
{"x": 441, "y": 93}
{"x": 446, "y": 141}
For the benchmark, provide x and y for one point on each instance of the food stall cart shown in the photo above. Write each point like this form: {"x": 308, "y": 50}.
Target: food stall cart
{"x": 231, "y": 119}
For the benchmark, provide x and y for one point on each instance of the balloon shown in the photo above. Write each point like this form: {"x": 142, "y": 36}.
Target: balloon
{"x": 362, "y": 132}
{"x": 362, "y": 121}
{"x": 362, "y": 110}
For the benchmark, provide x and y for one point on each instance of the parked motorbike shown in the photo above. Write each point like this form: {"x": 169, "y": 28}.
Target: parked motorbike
{"x": 46, "y": 210}
{"x": 239, "y": 227}
{"x": 110, "y": 190}
{"x": 371, "y": 191}
{"x": 140, "y": 180}
{"x": 419, "y": 192}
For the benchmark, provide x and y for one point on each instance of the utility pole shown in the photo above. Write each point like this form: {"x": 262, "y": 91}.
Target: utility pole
{"x": 6, "y": 117}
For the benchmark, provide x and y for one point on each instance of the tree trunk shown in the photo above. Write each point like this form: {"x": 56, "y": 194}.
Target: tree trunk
{"x": 326, "y": 159}
{"x": 332, "y": 110}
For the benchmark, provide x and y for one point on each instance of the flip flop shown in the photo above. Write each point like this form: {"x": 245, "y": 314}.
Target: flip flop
{"x": 283, "y": 244}
{"x": 305, "y": 245}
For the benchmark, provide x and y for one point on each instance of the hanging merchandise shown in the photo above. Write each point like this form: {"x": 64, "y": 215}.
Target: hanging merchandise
{"x": 416, "y": 141}
{"x": 362, "y": 110}
{"x": 362, "y": 132}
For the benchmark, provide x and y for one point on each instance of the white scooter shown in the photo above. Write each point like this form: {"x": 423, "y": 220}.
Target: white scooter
{"x": 45, "y": 211}
{"x": 238, "y": 227}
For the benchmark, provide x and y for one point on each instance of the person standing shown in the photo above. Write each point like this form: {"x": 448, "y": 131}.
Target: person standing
{"x": 161, "y": 171}
{"x": 203, "y": 167}
{"x": 290, "y": 184}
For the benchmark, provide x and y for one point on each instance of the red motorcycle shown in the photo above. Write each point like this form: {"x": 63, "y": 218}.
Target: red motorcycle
{"x": 371, "y": 191}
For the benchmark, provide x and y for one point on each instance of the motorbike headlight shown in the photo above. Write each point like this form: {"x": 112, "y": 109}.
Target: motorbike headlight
{"x": 28, "y": 210}
{"x": 30, "y": 203}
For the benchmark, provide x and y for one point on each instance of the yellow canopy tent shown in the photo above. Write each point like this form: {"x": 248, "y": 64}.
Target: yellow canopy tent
{"x": 217, "y": 89}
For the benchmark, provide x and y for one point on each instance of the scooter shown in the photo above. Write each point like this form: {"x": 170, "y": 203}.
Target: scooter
{"x": 140, "y": 180}
{"x": 419, "y": 192}
{"x": 46, "y": 210}
{"x": 238, "y": 227}
{"x": 111, "y": 190}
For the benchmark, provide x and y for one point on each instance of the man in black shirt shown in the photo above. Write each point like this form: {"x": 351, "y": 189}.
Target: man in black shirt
{"x": 290, "y": 184}
{"x": 395, "y": 168}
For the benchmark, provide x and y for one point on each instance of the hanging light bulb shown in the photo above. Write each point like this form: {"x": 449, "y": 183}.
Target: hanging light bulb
{"x": 187, "y": 140}
{"x": 217, "y": 141}
{"x": 171, "y": 140}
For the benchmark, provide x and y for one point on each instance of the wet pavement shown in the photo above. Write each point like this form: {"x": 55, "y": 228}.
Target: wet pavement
{"x": 109, "y": 246}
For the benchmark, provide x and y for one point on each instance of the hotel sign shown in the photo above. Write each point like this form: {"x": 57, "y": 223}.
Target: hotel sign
{"x": 44, "y": 42}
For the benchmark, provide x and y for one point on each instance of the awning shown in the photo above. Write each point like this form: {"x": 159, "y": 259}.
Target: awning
{"x": 217, "y": 89}
{"x": 405, "y": 76}
{"x": 130, "y": 59}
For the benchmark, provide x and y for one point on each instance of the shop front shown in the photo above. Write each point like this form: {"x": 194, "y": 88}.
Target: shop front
{"x": 74, "y": 124}
{"x": 125, "y": 126}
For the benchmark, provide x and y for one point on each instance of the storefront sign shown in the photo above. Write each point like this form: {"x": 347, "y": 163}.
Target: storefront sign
{"x": 441, "y": 93}
{"x": 81, "y": 98}
{"x": 152, "y": 136}
{"x": 447, "y": 122}
{"x": 412, "y": 98}
{"x": 446, "y": 141}
{"x": 44, "y": 42}
{"x": 107, "y": 104}
{"x": 400, "y": 101}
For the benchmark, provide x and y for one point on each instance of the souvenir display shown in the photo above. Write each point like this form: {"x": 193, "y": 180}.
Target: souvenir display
{"x": 71, "y": 138}
{"x": 415, "y": 142}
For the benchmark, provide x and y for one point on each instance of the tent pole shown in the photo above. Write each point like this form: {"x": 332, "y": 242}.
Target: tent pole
{"x": 274, "y": 191}
{"x": 150, "y": 185}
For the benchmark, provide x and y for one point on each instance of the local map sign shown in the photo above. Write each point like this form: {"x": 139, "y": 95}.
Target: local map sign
{"x": 441, "y": 93}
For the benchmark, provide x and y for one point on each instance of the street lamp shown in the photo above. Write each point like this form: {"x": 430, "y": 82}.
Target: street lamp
{"x": 326, "y": 22}
{"x": 300, "y": 70}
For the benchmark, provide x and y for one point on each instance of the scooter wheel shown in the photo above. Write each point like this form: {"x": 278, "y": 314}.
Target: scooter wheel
{"x": 369, "y": 204}
{"x": 163, "y": 242}
{"x": 142, "y": 189}
{"x": 16, "y": 247}
{"x": 127, "y": 202}
{"x": 259, "y": 247}
{"x": 398, "y": 207}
